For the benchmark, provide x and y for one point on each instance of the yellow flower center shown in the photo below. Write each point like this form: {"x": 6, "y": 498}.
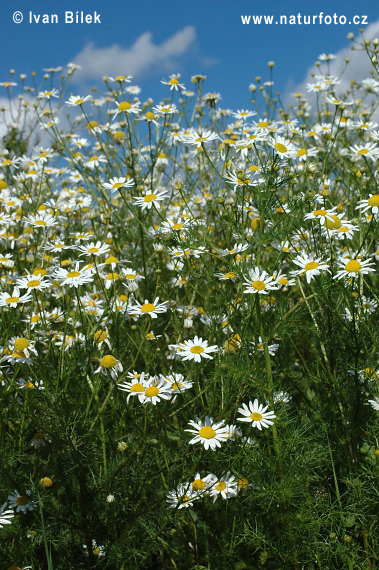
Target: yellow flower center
{"x": 100, "y": 336}
{"x": 71, "y": 274}
{"x": 21, "y": 344}
{"x": 262, "y": 124}
{"x": 147, "y": 308}
{"x": 22, "y": 501}
{"x": 230, "y": 275}
{"x": 333, "y": 224}
{"x": 255, "y": 416}
{"x": 198, "y": 485}
{"x": 259, "y": 285}
{"x": 150, "y": 198}
{"x": 12, "y": 300}
{"x": 196, "y": 349}
{"x": 151, "y": 391}
{"x": 137, "y": 387}
{"x": 150, "y": 116}
{"x": 281, "y": 148}
{"x": 207, "y": 432}
{"x": 34, "y": 283}
{"x": 311, "y": 265}
{"x": 353, "y": 266}
{"x": 111, "y": 259}
{"x": 319, "y": 212}
{"x": 283, "y": 281}
{"x": 374, "y": 200}
{"x": 301, "y": 152}
{"x": 221, "y": 486}
{"x": 363, "y": 151}
{"x": 173, "y": 82}
{"x": 40, "y": 223}
{"x": 177, "y": 226}
{"x": 93, "y": 250}
{"x": 35, "y": 319}
{"x": 124, "y": 106}
{"x": 108, "y": 361}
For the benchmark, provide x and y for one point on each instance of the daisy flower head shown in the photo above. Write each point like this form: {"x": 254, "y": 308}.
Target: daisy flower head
{"x": 201, "y": 485}
{"x": 368, "y": 150}
{"x": 195, "y": 349}
{"x": 173, "y": 82}
{"x": 370, "y": 204}
{"x": 182, "y": 497}
{"x": 15, "y": 299}
{"x": 95, "y": 249}
{"x": 75, "y": 277}
{"x": 256, "y": 414}
{"x": 127, "y": 108}
{"x": 322, "y": 215}
{"x": 226, "y": 487}
{"x": 351, "y": 267}
{"x": 283, "y": 147}
{"x": 150, "y": 199}
{"x": 115, "y": 184}
{"x": 48, "y": 94}
{"x": 76, "y": 100}
{"x": 147, "y": 308}
{"x": 208, "y": 433}
{"x": 155, "y": 391}
{"x": 41, "y": 220}
{"x": 21, "y": 503}
{"x": 176, "y": 383}
{"x": 199, "y": 138}
{"x": 5, "y": 515}
{"x": 259, "y": 282}
{"x": 33, "y": 282}
{"x": 310, "y": 266}
{"x": 136, "y": 386}
{"x": 109, "y": 364}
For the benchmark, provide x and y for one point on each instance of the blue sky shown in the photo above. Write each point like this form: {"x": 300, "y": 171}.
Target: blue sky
{"x": 191, "y": 37}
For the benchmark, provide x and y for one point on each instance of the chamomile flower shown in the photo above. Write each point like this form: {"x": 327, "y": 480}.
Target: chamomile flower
{"x": 225, "y": 487}
{"x": 77, "y": 276}
{"x": 310, "y": 266}
{"x": 109, "y": 364}
{"x": 33, "y": 282}
{"x": 77, "y": 100}
{"x": 147, "y": 308}
{"x": 182, "y": 497}
{"x": 195, "y": 349}
{"x": 199, "y": 138}
{"x": 21, "y": 503}
{"x": 375, "y": 403}
{"x": 135, "y": 386}
{"x": 208, "y": 433}
{"x": 368, "y": 150}
{"x": 115, "y": 184}
{"x": 173, "y": 82}
{"x": 155, "y": 391}
{"x": 322, "y": 215}
{"x": 201, "y": 485}
{"x": 259, "y": 282}
{"x": 95, "y": 249}
{"x": 351, "y": 267}
{"x": 150, "y": 199}
{"x": 127, "y": 108}
{"x": 256, "y": 414}
{"x": 15, "y": 299}
{"x": 283, "y": 147}
{"x": 41, "y": 220}
{"x": 370, "y": 204}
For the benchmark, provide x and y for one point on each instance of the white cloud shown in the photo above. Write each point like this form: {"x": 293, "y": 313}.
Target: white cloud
{"x": 358, "y": 68}
{"x": 138, "y": 59}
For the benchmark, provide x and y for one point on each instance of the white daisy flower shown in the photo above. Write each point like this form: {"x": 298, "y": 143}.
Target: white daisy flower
{"x": 352, "y": 267}
{"x": 150, "y": 199}
{"x": 21, "y": 503}
{"x": 210, "y": 434}
{"x": 135, "y": 387}
{"x": 181, "y": 497}
{"x": 309, "y": 266}
{"x": 195, "y": 349}
{"x": 92, "y": 248}
{"x": 147, "y": 308}
{"x": 369, "y": 204}
{"x": 115, "y": 184}
{"x": 226, "y": 487}
{"x": 127, "y": 108}
{"x": 259, "y": 282}
{"x": 375, "y": 403}
{"x": 76, "y": 100}
{"x": 155, "y": 391}
{"x": 41, "y": 220}
{"x": 110, "y": 364}
{"x": 256, "y": 414}
{"x": 7, "y": 300}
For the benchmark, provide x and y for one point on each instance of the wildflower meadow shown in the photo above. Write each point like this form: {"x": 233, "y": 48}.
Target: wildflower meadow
{"x": 188, "y": 324}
